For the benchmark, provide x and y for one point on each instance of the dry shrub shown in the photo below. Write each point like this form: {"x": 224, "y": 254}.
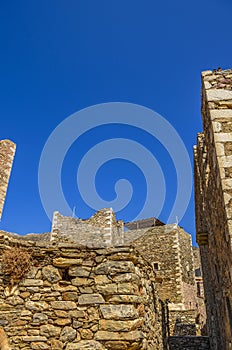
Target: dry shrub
{"x": 15, "y": 263}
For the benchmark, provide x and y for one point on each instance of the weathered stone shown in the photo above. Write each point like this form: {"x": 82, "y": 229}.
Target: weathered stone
{"x": 86, "y": 290}
{"x": 86, "y": 299}
{"x": 68, "y": 334}
{"x": 15, "y": 300}
{"x": 127, "y": 288}
{"x": 25, "y": 295}
{"x": 39, "y": 346}
{"x": 101, "y": 280}
{"x": 49, "y": 330}
{"x": 62, "y": 289}
{"x": 56, "y": 344}
{"x": 117, "y": 345}
{"x": 63, "y": 305}
{"x": 125, "y": 299}
{"x": 78, "y": 271}
{"x": 86, "y": 334}
{"x": 126, "y": 277}
{"x": 77, "y": 314}
{"x": 32, "y": 282}
{"x": 5, "y": 307}
{"x": 40, "y": 318}
{"x": 86, "y": 345}
{"x": 114, "y": 267}
{"x": 62, "y": 322}
{"x": 36, "y": 306}
{"x": 77, "y": 324}
{"x": 108, "y": 289}
{"x": 93, "y": 313}
{"x": 130, "y": 336}
{"x": 218, "y": 94}
{"x": 118, "y": 312}
{"x": 69, "y": 296}
{"x": 66, "y": 262}
{"x": 78, "y": 281}
{"x": 51, "y": 274}
{"x": 35, "y": 338}
{"x": 120, "y": 326}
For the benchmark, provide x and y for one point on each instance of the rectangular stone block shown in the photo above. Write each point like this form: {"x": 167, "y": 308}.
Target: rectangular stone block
{"x": 223, "y": 137}
{"x": 218, "y": 95}
{"x": 63, "y": 305}
{"x": 34, "y": 338}
{"x": 119, "y": 312}
{"x": 129, "y": 336}
{"x": 120, "y": 326}
{"x": 87, "y": 299}
{"x": 220, "y": 113}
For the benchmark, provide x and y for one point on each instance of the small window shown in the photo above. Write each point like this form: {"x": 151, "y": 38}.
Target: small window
{"x": 198, "y": 272}
{"x": 155, "y": 266}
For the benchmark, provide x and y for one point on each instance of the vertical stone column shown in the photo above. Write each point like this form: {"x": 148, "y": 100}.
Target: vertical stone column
{"x": 108, "y": 229}
{"x": 55, "y": 229}
{"x": 7, "y": 152}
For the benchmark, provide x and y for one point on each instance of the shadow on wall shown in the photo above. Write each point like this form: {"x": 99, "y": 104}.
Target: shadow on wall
{"x": 183, "y": 329}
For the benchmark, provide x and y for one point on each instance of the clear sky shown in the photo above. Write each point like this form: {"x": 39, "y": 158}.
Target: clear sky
{"x": 58, "y": 57}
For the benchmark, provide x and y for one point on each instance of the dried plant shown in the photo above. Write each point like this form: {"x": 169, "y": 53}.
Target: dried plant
{"x": 15, "y": 263}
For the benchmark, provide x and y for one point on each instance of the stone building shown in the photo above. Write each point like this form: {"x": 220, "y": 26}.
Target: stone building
{"x": 213, "y": 198}
{"x": 90, "y": 284}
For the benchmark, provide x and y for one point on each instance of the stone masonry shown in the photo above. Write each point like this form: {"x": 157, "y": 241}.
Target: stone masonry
{"x": 131, "y": 296}
{"x": 213, "y": 197}
{"x": 77, "y": 298}
{"x": 7, "y": 152}
{"x": 101, "y": 229}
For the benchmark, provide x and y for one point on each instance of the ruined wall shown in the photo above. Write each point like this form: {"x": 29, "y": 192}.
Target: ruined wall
{"x": 77, "y": 298}
{"x": 7, "y": 152}
{"x": 102, "y": 229}
{"x": 213, "y": 194}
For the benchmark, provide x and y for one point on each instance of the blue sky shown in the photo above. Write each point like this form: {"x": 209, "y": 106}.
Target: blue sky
{"x": 58, "y": 57}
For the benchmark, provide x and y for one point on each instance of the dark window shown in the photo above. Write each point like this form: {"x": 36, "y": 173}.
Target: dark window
{"x": 198, "y": 272}
{"x": 156, "y": 266}
{"x": 198, "y": 289}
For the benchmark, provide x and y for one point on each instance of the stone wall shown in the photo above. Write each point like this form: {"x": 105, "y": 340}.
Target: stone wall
{"x": 102, "y": 229}
{"x": 189, "y": 343}
{"x": 182, "y": 322}
{"x": 161, "y": 248}
{"x": 77, "y": 298}
{"x": 213, "y": 197}
{"x": 7, "y": 152}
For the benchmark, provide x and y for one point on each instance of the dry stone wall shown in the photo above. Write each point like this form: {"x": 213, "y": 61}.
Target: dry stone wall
{"x": 80, "y": 298}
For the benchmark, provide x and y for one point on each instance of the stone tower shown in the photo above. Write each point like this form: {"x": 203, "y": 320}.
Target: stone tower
{"x": 7, "y": 152}
{"x": 213, "y": 197}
